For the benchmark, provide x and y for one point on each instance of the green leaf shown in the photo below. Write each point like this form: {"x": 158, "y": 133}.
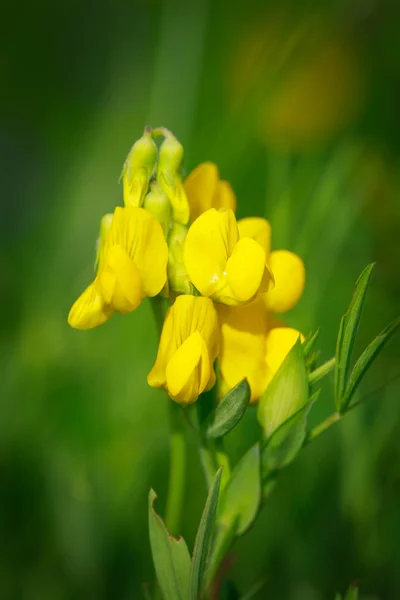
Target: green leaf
{"x": 347, "y": 333}
{"x": 170, "y": 556}
{"x": 365, "y": 360}
{"x": 309, "y": 343}
{"x": 202, "y": 545}
{"x": 241, "y": 497}
{"x": 287, "y": 392}
{"x": 286, "y": 442}
{"x": 338, "y": 597}
{"x": 230, "y": 410}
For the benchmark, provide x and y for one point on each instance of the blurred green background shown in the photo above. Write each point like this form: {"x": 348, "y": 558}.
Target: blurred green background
{"x": 298, "y": 105}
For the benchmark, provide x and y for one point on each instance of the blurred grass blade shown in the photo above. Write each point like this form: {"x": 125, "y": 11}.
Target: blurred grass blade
{"x": 257, "y": 587}
{"x": 365, "y": 360}
{"x": 352, "y": 593}
{"x": 170, "y": 556}
{"x": 286, "y": 441}
{"x": 230, "y": 410}
{"x": 347, "y": 333}
{"x": 204, "y": 538}
{"x": 309, "y": 343}
{"x": 241, "y": 497}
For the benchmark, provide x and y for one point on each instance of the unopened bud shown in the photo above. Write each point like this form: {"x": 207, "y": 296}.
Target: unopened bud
{"x": 157, "y": 203}
{"x": 105, "y": 225}
{"x": 138, "y": 169}
{"x": 177, "y": 274}
{"x": 170, "y": 180}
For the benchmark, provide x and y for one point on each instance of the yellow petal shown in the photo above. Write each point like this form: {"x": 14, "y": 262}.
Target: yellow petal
{"x": 188, "y": 315}
{"x": 209, "y": 243}
{"x": 279, "y": 342}
{"x": 188, "y": 371}
{"x": 141, "y": 237}
{"x": 245, "y": 270}
{"x": 243, "y": 353}
{"x": 257, "y": 229}
{"x": 119, "y": 281}
{"x": 224, "y": 196}
{"x": 89, "y": 310}
{"x": 200, "y": 186}
{"x": 289, "y": 274}
{"x": 156, "y": 377}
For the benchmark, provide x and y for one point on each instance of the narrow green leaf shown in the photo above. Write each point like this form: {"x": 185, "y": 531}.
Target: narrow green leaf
{"x": 338, "y": 597}
{"x": 352, "y": 593}
{"x": 202, "y": 545}
{"x": 287, "y": 392}
{"x": 286, "y": 442}
{"x": 230, "y": 410}
{"x": 241, "y": 497}
{"x": 365, "y": 360}
{"x": 309, "y": 343}
{"x": 170, "y": 556}
{"x": 347, "y": 333}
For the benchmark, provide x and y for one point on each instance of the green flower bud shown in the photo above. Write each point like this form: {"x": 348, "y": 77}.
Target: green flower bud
{"x": 138, "y": 169}
{"x": 177, "y": 275}
{"x": 157, "y": 203}
{"x": 170, "y": 180}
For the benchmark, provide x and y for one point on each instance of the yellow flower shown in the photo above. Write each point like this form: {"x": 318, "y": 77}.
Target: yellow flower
{"x": 132, "y": 266}
{"x": 188, "y": 348}
{"x": 219, "y": 264}
{"x": 286, "y": 267}
{"x": 204, "y": 190}
{"x": 253, "y": 345}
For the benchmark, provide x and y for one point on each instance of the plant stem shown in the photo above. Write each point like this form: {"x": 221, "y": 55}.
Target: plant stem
{"x": 176, "y": 484}
{"x": 316, "y": 432}
{"x": 321, "y": 371}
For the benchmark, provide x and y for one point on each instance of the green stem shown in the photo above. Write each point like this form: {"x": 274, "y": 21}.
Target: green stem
{"x": 316, "y": 432}
{"x": 208, "y": 460}
{"x": 321, "y": 371}
{"x": 176, "y": 484}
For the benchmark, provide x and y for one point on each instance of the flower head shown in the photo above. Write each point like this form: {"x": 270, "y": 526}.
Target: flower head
{"x": 188, "y": 348}
{"x": 204, "y": 190}
{"x": 222, "y": 266}
{"x": 132, "y": 265}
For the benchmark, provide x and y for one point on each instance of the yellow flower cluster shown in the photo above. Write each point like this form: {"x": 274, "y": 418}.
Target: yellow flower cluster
{"x": 181, "y": 239}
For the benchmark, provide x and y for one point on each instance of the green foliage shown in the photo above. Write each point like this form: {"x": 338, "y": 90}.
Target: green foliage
{"x": 347, "y": 333}
{"x": 367, "y": 357}
{"x": 170, "y": 556}
{"x": 352, "y": 593}
{"x": 287, "y": 392}
{"x": 241, "y": 497}
{"x": 204, "y": 537}
{"x": 229, "y": 411}
{"x": 282, "y": 447}
{"x": 309, "y": 342}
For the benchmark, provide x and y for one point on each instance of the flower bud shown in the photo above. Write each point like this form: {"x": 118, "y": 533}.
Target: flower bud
{"x": 169, "y": 178}
{"x": 105, "y": 225}
{"x": 157, "y": 203}
{"x": 177, "y": 274}
{"x": 138, "y": 168}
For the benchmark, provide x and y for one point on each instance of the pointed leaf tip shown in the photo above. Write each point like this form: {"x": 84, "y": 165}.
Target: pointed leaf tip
{"x": 347, "y": 334}
{"x": 171, "y": 557}
{"x": 204, "y": 537}
{"x": 229, "y": 411}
